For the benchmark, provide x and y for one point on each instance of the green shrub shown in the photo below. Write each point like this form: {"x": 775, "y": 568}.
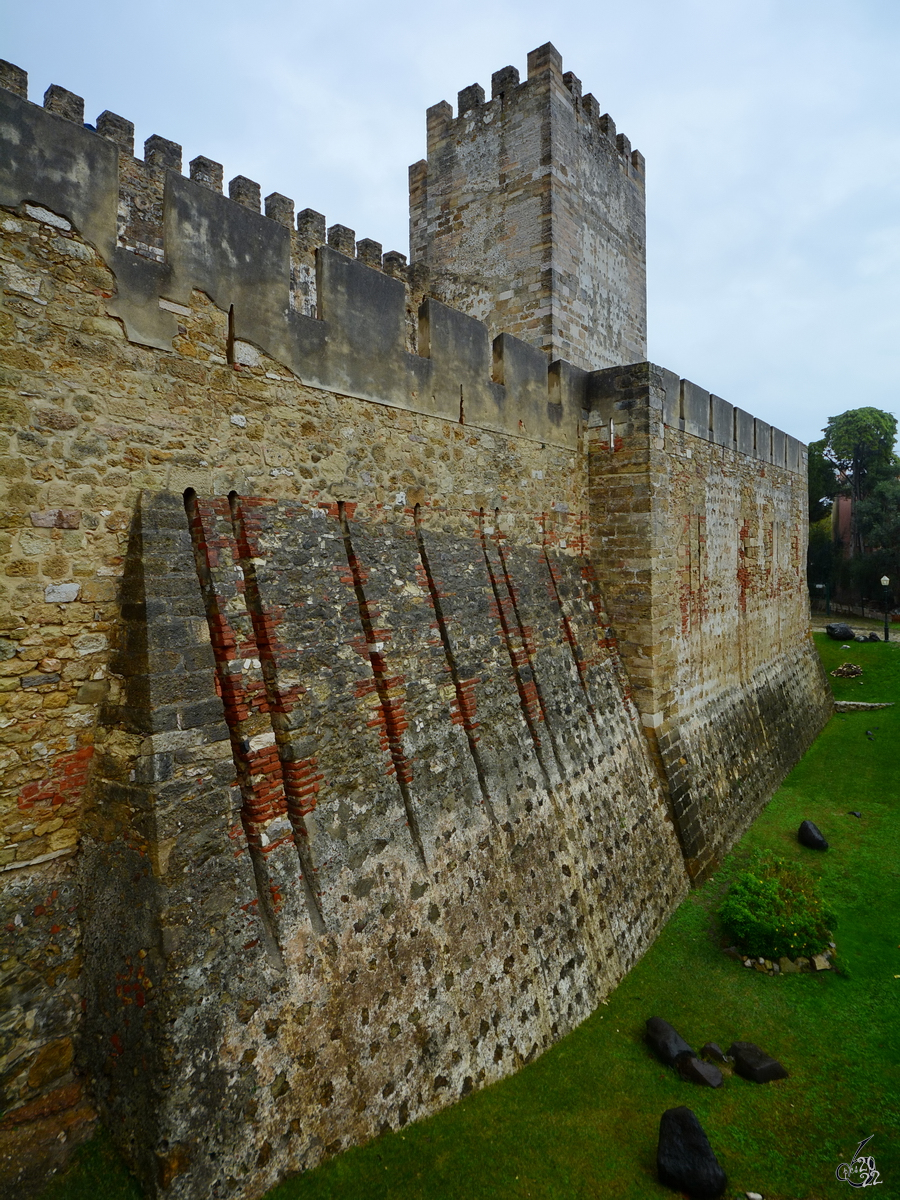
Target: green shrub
{"x": 774, "y": 909}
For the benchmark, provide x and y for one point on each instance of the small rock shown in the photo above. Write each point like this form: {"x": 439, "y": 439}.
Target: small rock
{"x": 840, "y": 631}
{"x": 859, "y": 638}
{"x": 684, "y": 1157}
{"x": 760, "y": 967}
{"x": 776, "y": 970}
{"x": 768, "y": 965}
{"x": 665, "y": 1041}
{"x": 30, "y": 681}
{"x": 733, "y": 952}
{"x": 754, "y": 1064}
{"x": 873, "y": 637}
{"x": 820, "y": 962}
{"x": 802, "y": 963}
{"x": 747, "y": 962}
{"x": 714, "y": 1050}
{"x": 811, "y": 836}
{"x": 753, "y": 1196}
{"x": 690, "y": 1068}
{"x": 854, "y": 814}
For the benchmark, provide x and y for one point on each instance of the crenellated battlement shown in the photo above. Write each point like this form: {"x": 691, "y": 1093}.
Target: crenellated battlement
{"x": 339, "y": 312}
{"x": 162, "y": 155}
{"x": 529, "y": 213}
{"x": 650, "y": 399}
{"x": 508, "y": 92}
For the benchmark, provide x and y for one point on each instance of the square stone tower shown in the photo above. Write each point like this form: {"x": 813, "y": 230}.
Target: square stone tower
{"x": 529, "y": 213}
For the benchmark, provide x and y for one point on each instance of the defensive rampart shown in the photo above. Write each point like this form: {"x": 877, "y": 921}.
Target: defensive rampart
{"x": 371, "y": 689}
{"x": 698, "y": 527}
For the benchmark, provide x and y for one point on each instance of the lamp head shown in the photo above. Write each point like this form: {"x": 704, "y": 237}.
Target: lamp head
{"x": 884, "y": 581}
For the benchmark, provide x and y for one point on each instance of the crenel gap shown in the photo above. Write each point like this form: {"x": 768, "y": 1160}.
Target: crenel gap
{"x": 229, "y": 339}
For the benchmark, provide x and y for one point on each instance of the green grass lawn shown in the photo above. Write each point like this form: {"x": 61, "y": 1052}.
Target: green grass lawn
{"x": 582, "y": 1121}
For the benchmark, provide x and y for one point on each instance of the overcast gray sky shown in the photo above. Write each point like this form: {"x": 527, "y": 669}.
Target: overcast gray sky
{"x": 770, "y": 131}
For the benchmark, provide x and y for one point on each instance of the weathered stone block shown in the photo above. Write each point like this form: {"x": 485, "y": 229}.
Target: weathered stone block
{"x": 208, "y": 172}
{"x": 64, "y": 103}
{"x": 245, "y": 192}
{"x": 13, "y": 78}
{"x": 695, "y": 409}
{"x": 280, "y": 208}
{"x": 117, "y": 129}
{"x": 159, "y": 152}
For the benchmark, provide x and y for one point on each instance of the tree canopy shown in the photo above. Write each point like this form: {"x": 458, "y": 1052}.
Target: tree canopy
{"x": 878, "y": 516}
{"x": 860, "y": 443}
{"x": 858, "y": 448}
{"x": 855, "y": 458}
{"x": 822, "y": 481}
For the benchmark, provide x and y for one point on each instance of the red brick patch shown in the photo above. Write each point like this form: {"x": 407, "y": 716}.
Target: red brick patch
{"x": 64, "y": 783}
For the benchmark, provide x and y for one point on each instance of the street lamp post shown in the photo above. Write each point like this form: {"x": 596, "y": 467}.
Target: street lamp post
{"x": 827, "y": 590}
{"x": 887, "y": 599}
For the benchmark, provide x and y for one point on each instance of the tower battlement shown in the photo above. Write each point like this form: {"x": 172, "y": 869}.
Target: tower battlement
{"x": 529, "y": 214}
{"x": 506, "y": 86}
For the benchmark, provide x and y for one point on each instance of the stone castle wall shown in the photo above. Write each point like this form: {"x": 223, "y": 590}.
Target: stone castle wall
{"x": 698, "y": 525}
{"x": 327, "y": 793}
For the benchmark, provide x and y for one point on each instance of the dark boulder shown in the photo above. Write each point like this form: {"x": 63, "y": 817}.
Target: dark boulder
{"x": 840, "y": 632}
{"x": 691, "y": 1069}
{"x": 811, "y": 836}
{"x": 754, "y": 1064}
{"x": 666, "y": 1042}
{"x": 714, "y": 1051}
{"x": 873, "y": 637}
{"x": 684, "y": 1157}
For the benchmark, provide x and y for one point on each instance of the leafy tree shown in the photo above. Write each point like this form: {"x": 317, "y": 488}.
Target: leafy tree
{"x": 820, "y": 557}
{"x": 860, "y": 443}
{"x": 822, "y": 481}
{"x": 878, "y": 517}
{"x": 859, "y": 447}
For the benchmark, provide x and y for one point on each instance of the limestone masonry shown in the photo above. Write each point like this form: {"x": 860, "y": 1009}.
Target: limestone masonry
{"x": 386, "y": 646}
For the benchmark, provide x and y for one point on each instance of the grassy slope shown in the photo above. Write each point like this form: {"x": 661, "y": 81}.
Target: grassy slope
{"x": 582, "y": 1120}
